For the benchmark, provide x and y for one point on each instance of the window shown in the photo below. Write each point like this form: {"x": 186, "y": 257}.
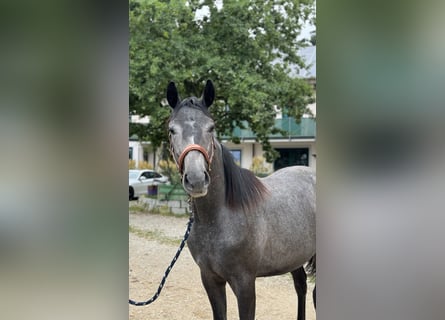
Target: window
{"x": 130, "y": 153}
{"x": 237, "y": 156}
{"x": 292, "y": 157}
{"x": 150, "y": 175}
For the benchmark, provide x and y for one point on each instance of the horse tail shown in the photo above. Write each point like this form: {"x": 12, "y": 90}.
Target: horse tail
{"x": 311, "y": 266}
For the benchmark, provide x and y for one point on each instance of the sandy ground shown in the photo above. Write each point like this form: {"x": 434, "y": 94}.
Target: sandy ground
{"x": 183, "y": 297}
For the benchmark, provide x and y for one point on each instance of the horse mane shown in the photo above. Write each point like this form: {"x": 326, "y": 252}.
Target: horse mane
{"x": 191, "y": 102}
{"x": 243, "y": 189}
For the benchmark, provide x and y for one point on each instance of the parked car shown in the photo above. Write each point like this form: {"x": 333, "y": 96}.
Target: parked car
{"x": 140, "y": 180}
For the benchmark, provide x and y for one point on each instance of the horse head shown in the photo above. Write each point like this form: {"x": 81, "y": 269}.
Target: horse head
{"x": 191, "y": 132}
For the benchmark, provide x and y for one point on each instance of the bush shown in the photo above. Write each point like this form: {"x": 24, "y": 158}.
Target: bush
{"x": 169, "y": 169}
{"x": 259, "y": 166}
{"x": 145, "y": 165}
{"x": 142, "y": 165}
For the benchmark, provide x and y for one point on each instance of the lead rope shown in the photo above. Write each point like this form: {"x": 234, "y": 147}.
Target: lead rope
{"x": 175, "y": 258}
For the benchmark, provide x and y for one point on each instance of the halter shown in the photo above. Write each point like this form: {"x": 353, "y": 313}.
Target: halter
{"x": 193, "y": 147}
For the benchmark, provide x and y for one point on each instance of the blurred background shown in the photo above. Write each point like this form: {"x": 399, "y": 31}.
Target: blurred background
{"x": 380, "y": 77}
{"x": 63, "y": 136}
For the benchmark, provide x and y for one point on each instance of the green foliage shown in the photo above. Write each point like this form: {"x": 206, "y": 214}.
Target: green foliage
{"x": 168, "y": 168}
{"x": 236, "y": 46}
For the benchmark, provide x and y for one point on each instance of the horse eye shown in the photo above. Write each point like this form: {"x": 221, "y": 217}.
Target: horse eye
{"x": 171, "y": 131}
{"x": 211, "y": 129}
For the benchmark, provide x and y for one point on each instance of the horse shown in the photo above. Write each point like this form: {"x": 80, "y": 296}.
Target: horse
{"x": 244, "y": 227}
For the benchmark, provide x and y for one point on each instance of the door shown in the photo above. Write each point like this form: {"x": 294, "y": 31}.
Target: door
{"x": 292, "y": 157}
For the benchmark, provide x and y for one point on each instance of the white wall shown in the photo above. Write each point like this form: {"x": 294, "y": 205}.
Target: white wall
{"x": 138, "y": 152}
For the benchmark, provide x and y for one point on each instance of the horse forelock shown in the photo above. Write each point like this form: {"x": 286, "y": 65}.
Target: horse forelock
{"x": 243, "y": 189}
{"x": 193, "y": 103}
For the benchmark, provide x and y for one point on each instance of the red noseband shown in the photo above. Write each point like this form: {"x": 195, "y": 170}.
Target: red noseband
{"x": 193, "y": 147}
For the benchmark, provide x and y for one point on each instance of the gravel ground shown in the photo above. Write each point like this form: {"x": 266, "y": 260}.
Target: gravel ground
{"x": 153, "y": 242}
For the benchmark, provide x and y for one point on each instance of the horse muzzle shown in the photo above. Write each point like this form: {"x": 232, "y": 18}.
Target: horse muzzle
{"x": 196, "y": 178}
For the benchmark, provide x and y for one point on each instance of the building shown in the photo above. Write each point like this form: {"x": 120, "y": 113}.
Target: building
{"x": 296, "y": 148}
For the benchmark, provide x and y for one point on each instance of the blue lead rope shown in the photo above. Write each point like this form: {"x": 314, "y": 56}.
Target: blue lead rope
{"x": 161, "y": 285}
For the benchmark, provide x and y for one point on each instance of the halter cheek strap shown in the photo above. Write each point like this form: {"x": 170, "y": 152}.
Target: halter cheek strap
{"x": 194, "y": 147}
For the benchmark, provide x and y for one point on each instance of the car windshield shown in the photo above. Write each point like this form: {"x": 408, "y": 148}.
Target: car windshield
{"x": 133, "y": 174}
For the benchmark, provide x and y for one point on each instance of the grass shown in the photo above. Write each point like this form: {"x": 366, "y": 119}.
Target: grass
{"x": 164, "y": 210}
{"x": 155, "y": 235}
{"x": 137, "y": 207}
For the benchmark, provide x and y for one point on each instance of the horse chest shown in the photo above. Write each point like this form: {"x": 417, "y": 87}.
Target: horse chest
{"x": 215, "y": 247}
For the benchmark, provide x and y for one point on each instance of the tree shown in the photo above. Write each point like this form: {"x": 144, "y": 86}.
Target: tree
{"x": 244, "y": 47}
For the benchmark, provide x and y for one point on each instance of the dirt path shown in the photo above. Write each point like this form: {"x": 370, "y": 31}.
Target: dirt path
{"x": 153, "y": 241}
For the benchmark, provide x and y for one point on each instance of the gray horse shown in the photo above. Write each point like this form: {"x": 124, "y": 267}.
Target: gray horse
{"x": 244, "y": 227}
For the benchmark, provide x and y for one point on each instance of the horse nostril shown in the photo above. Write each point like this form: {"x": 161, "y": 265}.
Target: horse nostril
{"x": 196, "y": 182}
{"x": 206, "y": 178}
{"x": 186, "y": 180}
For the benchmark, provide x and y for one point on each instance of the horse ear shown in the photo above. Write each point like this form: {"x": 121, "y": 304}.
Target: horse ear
{"x": 209, "y": 94}
{"x": 172, "y": 95}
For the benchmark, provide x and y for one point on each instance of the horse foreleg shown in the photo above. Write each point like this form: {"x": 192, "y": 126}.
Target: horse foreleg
{"x": 216, "y": 291}
{"x": 300, "y": 277}
{"x": 244, "y": 289}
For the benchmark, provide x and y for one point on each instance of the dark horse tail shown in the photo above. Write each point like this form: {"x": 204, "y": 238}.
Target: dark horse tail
{"x": 311, "y": 270}
{"x": 311, "y": 266}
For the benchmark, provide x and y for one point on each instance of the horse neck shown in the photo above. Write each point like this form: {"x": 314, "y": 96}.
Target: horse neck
{"x": 207, "y": 207}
